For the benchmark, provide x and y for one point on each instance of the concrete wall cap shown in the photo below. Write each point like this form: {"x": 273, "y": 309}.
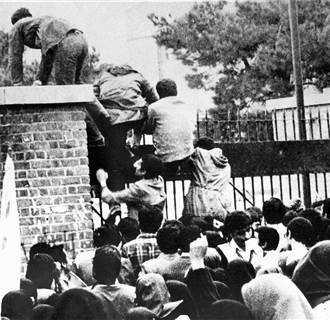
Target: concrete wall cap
{"x": 42, "y": 95}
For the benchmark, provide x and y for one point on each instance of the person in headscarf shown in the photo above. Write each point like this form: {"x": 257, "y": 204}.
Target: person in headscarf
{"x": 275, "y": 297}
{"x": 227, "y": 309}
{"x": 239, "y": 272}
{"x": 312, "y": 273}
{"x": 208, "y": 193}
{"x": 152, "y": 293}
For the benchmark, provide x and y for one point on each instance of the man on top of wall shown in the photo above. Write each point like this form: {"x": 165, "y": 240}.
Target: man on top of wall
{"x": 62, "y": 45}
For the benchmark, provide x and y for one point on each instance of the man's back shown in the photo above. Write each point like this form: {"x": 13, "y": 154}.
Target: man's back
{"x": 171, "y": 124}
{"x": 117, "y": 299}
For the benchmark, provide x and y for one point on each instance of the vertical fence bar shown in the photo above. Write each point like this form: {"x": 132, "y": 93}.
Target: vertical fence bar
{"x": 284, "y": 126}
{"x": 311, "y": 124}
{"x": 281, "y": 187}
{"x": 294, "y": 124}
{"x": 320, "y": 122}
{"x": 235, "y": 199}
{"x": 276, "y": 127}
{"x": 206, "y": 124}
{"x": 253, "y": 192}
{"x": 271, "y": 186}
{"x": 298, "y": 181}
{"x": 197, "y": 120}
{"x": 290, "y": 186}
{"x": 174, "y": 199}
{"x": 244, "y": 197}
{"x": 328, "y": 123}
{"x": 316, "y": 183}
{"x": 325, "y": 185}
{"x": 166, "y": 204}
{"x": 262, "y": 189}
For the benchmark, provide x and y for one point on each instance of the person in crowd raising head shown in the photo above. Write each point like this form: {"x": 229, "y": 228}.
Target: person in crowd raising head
{"x": 238, "y": 227}
{"x": 209, "y": 193}
{"x": 171, "y": 125}
{"x": 63, "y": 46}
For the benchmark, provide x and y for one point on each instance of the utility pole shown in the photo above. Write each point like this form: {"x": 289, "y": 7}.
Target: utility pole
{"x": 297, "y": 72}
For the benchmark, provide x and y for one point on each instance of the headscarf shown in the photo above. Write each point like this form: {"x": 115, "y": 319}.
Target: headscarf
{"x": 239, "y": 272}
{"x": 229, "y": 310}
{"x": 312, "y": 274}
{"x": 152, "y": 293}
{"x": 275, "y": 297}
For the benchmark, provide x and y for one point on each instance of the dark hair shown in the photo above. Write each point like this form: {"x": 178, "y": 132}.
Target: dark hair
{"x": 255, "y": 214}
{"x": 140, "y": 313}
{"x": 78, "y": 303}
{"x": 173, "y": 223}
{"x": 20, "y": 14}
{"x": 16, "y": 305}
{"x": 152, "y": 165}
{"x": 270, "y": 236}
{"x": 291, "y": 214}
{"x": 166, "y": 88}
{"x": 273, "y": 210}
{"x": 150, "y": 220}
{"x": 316, "y": 220}
{"x": 129, "y": 228}
{"x": 205, "y": 143}
{"x": 41, "y": 270}
{"x": 213, "y": 238}
{"x": 301, "y": 230}
{"x": 106, "y": 264}
{"x": 188, "y": 235}
{"x": 168, "y": 239}
{"x": 326, "y": 208}
{"x": 236, "y": 220}
{"x": 42, "y": 312}
{"x": 106, "y": 235}
{"x": 40, "y": 247}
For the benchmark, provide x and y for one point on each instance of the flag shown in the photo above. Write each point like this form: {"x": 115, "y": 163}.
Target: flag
{"x": 10, "y": 250}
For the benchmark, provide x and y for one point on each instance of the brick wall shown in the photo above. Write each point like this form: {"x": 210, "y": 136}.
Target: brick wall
{"x": 48, "y": 144}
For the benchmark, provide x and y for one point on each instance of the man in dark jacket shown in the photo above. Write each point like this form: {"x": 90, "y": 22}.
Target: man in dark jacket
{"x": 62, "y": 46}
{"x": 123, "y": 97}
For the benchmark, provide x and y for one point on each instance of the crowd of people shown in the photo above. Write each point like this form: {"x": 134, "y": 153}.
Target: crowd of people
{"x": 212, "y": 263}
{"x": 269, "y": 263}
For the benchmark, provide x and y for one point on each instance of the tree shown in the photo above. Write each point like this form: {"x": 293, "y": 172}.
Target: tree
{"x": 249, "y": 48}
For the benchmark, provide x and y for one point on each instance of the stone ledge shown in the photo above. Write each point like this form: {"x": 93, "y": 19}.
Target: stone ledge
{"x": 42, "y": 95}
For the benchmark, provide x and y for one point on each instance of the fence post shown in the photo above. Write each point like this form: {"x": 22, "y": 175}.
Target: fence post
{"x": 297, "y": 71}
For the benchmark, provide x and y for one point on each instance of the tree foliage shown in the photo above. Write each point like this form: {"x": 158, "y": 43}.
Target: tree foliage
{"x": 249, "y": 48}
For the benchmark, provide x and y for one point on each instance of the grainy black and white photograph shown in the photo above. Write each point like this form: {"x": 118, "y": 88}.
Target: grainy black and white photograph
{"x": 165, "y": 160}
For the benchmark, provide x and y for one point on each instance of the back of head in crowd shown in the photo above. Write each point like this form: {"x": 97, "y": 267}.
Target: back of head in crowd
{"x": 289, "y": 215}
{"x": 16, "y": 306}
{"x": 106, "y": 264}
{"x": 188, "y": 235}
{"x": 79, "y": 303}
{"x": 301, "y": 230}
{"x": 316, "y": 220}
{"x": 168, "y": 239}
{"x": 236, "y": 220}
{"x": 42, "y": 312}
{"x": 273, "y": 211}
{"x": 41, "y": 270}
{"x": 129, "y": 228}
{"x": 150, "y": 220}
{"x": 20, "y": 14}
{"x": 205, "y": 143}
{"x": 268, "y": 238}
{"x": 152, "y": 166}
{"x": 166, "y": 88}
{"x": 326, "y": 208}
{"x": 106, "y": 235}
